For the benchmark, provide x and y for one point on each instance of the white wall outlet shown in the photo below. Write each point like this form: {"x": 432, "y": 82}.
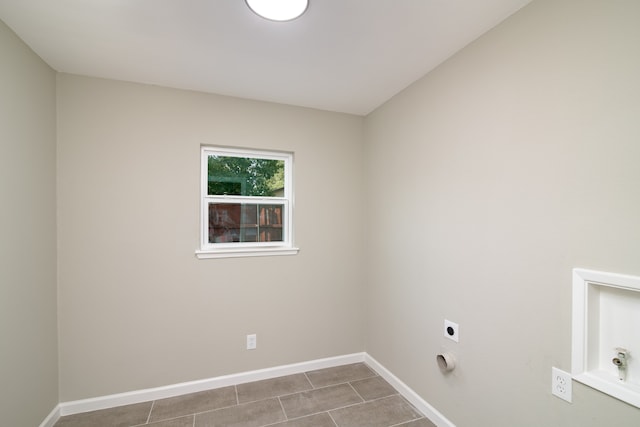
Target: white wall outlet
{"x": 561, "y": 384}
{"x": 451, "y": 330}
{"x": 252, "y": 342}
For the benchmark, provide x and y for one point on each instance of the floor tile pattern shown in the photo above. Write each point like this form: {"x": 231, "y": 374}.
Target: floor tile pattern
{"x": 343, "y": 396}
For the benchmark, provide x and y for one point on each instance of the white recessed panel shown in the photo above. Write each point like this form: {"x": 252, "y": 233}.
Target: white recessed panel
{"x": 606, "y": 333}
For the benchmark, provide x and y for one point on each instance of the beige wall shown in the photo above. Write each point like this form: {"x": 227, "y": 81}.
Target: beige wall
{"x": 28, "y": 330}
{"x": 137, "y": 309}
{"x": 512, "y": 163}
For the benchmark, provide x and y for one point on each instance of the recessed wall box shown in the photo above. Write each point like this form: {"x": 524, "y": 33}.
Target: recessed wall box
{"x": 606, "y": 333}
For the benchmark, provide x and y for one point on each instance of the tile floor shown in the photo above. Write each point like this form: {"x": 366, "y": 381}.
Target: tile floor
{"x": 343, "y": 396}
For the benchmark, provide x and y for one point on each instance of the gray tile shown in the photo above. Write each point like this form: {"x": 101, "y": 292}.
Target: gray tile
{"x": 273, "y": 387}
{"x": 373, "y": 388}
{"x": 192, "y": 403}
{"x": 318, "y": 420}
{"x": 378, "y": 413}
{"x": 422, "y": 422}
{"x": 121, "y": 416}
{"x": 254, "y": 414}
{"x": 176, "y": 422}
{"x": 339, "y": 374}
{"x": 319, "y": 400}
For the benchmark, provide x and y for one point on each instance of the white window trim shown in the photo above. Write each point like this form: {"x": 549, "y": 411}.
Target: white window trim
{"x": 240, "y": 253}
{"x": 234, "y": 250}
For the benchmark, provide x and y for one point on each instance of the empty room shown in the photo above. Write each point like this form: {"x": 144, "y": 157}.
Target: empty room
{"x": 406, "y": 213}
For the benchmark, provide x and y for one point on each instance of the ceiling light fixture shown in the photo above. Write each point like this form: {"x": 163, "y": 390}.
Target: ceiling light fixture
{"x": 278, "y": 10}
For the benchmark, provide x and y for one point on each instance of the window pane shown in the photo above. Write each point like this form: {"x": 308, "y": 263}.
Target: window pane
{"x": 245, "y": 222}
{"x": 245, "y": 176}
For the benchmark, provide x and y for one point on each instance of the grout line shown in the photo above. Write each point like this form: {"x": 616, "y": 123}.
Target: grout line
{"x": 365, "y": 403}
{"x": 229, "y": 406}
{"x": 235, "y": 387}
{"x": 309, "y": 415}
{"x": 410, "y": 421}
{"x": 308, "y": 379}
{"x": 286, "y": 417}
{"x": 356, "y": 391}
{"x": 153, "y": 402}
{"x": 301, "y": 417}
{"x": 278, "y": 396}
{"x": 317, "y": 388}
{"x": 171, "y": 418}
{"x": 211, "y": 410}
{"x": 332, "y": 420}
{"x": 392, "y": 395}
{"x": 351, "y": 405}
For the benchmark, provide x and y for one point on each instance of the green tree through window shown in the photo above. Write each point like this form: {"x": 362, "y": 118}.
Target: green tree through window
{"x": 244, "y": 176}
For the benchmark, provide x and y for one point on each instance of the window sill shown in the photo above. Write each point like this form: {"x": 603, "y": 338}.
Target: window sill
{"x": 245, "y": 252}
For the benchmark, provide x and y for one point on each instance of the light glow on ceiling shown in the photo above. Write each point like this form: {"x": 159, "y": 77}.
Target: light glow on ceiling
{"x": 278, "y": 10}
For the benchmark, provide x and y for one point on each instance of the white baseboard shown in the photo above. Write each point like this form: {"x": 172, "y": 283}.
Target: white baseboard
{"x": 421, "y": 405}
{"x": 52, "y": 418}
{"x": 139, "y": 396}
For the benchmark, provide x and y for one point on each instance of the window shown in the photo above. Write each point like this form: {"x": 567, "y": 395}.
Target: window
{"x": 246, "y": 198}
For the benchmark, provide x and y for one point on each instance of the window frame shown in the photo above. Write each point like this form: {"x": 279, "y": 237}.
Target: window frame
{"x": 246, "y": 249}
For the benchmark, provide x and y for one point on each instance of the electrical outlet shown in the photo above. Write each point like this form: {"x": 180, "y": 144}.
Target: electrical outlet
{"x": 561, "y": 384}
{"x": 252, "y": 342}
{"x": 451, "y": 330}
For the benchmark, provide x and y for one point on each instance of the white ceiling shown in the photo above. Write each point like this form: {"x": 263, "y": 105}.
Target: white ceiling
{"x": 341, "y": 55}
